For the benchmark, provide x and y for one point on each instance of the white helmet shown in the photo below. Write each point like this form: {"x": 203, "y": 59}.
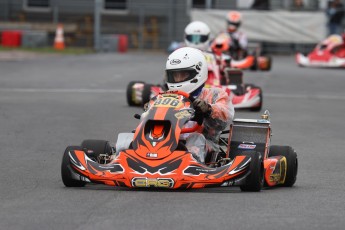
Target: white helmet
{"x": 197, "y": 35}
{"x": 186, "y": 70}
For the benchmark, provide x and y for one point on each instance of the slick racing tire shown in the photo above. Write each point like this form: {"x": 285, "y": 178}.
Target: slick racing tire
{"x": 129, "y": 93}
{"x": 259, "y": 107}
{"x": 255, "y": 180}
{"x": 66, "y": 169}
{"x": 146, "y": 93}
{"x": 291, "y": 160}
{"x": 269, "y": 64}
{"x": 94, "y": 148}
{"x": 255, "y": 64}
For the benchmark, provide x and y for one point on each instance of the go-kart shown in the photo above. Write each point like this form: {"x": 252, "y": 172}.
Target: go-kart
{"x": 154, "y": 156}
{"x": 244, "y": 96}
{"x": 328, "y": 53}
{"x": 223, "y": 44}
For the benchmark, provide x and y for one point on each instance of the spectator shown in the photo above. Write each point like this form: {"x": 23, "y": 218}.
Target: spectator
{"x": 335, "y": 14}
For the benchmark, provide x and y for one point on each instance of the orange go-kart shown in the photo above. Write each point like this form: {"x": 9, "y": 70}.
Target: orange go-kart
{"x": 155, "y": 157}
{"x": 240, "y": 59}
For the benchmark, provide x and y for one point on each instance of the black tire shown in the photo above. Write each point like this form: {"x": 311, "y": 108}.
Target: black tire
{"x": 129, "y": 93}
{"x": 255, "y": 180}
{"x": 269, "y": 64}
{"x": 66, "y": 173}
{"x": 291, "y": 160}
{"x": 259, "y": 107}
{"x": 146, "y": 93}
{"x": 255, "y": 64}
{"x": 97, "y": 146}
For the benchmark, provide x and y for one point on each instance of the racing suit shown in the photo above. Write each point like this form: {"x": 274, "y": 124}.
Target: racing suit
{"x": 239, "y": 44}
{"x": 222, "y": 113}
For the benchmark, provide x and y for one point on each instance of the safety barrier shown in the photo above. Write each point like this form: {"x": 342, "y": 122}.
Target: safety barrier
{"x": 11, "y": 38}
{"x": 114, "y": 43}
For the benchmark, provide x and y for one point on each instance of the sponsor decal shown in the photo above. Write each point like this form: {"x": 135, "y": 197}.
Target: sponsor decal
{"x": 185, "y": 57}
{"x": 171, "y": 93}
{"x": 196, "y": 170}
{"x": 275, "y": 177}
{"x": 228, "y": 183}
{"x": 144, "y": 182}
{"x": 153, "y": 155}
{"x": 182, "y": 114}
{"x": 246, "y": 146}
{"x": 209, "y": 59}
{"x": 175, "y": 62}
{"x": 263, "y": 121}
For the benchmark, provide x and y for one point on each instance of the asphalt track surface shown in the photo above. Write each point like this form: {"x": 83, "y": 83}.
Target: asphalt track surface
{"x": 49, "y": 103}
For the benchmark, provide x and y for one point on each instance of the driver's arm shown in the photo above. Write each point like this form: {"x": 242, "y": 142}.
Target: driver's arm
{"x": 222, "y": 110}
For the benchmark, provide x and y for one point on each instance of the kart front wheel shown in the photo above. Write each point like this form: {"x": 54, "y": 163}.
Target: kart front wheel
{"x": 130, "y": 93}
{"x": 255, "y": 179}
{"x": 67, "y": 174}
{"x": 291, "y": 160}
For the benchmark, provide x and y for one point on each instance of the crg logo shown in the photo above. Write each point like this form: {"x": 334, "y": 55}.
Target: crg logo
{"x": 144, "y": 182}
{"x": 175, "y": 62}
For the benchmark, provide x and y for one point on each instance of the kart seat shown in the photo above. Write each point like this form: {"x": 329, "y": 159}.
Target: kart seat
{"x": 181, "y": 146}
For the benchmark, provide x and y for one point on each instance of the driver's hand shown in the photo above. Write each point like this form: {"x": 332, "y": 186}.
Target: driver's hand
{"x": 202, "y": 107}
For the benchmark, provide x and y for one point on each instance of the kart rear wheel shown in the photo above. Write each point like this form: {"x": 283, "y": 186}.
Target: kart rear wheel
{"x": 66, "y": 170}
{"x": 98, "y": 147}
{"x": 255, "y": 179}
{"x": 146, "y": 93}
{"x": 255, "y": 64}
{"x": 259, "y": 107}
{"x": 129, "y": 93}
{"x": 291, "y": 160}
{"x": 269, "y": 64}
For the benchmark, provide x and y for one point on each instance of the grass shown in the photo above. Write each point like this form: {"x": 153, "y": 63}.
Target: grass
{"x": 51, "y": 50}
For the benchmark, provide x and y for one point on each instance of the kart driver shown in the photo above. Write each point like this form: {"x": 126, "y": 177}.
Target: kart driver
{"x": 239, "y": 41}
{"x": 186, "y": 70}
{"x": 197, "y": 35}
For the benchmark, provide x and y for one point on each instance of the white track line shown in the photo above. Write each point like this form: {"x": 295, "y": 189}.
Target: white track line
{"x": 61, "y": 90}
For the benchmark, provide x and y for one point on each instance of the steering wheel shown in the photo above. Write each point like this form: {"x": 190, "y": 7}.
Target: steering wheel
{"x": 187, "y": 95}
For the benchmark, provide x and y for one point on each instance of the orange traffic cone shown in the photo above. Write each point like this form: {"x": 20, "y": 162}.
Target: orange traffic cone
{"x": 59, "y": 42}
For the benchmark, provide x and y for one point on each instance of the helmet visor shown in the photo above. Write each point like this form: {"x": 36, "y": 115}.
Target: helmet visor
{"x": 234, "y": 24}
{"x": 196, "y": 38}
{"x": 180, "y": 75}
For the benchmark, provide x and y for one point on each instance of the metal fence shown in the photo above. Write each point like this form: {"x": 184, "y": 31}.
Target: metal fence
{"x": 149, "y": 24}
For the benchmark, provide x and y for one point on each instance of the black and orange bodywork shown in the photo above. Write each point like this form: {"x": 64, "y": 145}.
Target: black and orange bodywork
{"x": 157, "y": 158}
{"x": 255, "y": 134}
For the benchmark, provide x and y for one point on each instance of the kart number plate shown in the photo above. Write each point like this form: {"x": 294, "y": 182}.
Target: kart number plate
{"x": 167, "y": 102}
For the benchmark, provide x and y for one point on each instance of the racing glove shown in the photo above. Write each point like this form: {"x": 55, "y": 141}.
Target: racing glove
{"x": 202, "y": 109}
